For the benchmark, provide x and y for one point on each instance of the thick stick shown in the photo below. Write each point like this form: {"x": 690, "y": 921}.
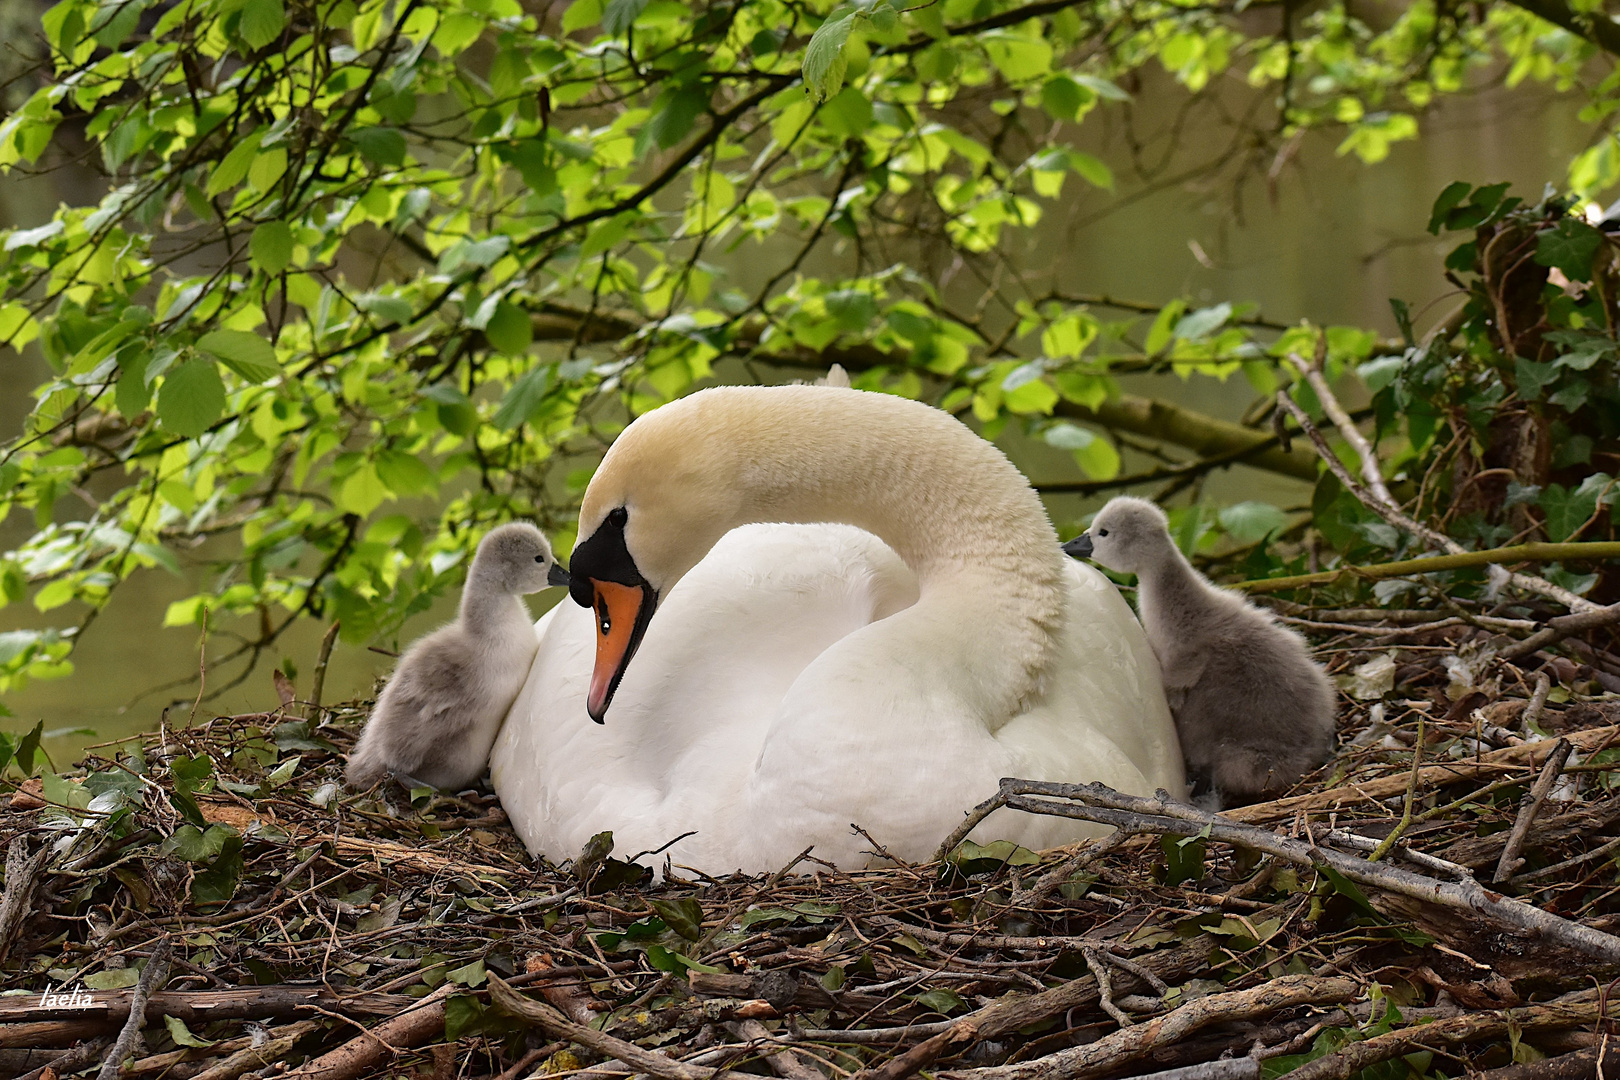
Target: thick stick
{"x": 70, "y": 1061}
{"x": 198, "y": 1007}
{"x": 324, "y": 658}
{"x": 1530, "y": 755}
{"x": 558, "y": 1026}
{"x": 423, "y": 1021}
{"x": 1114, "y": 1050}
{"x": 1002, "y": 1017}
{"x": 23, "y": 872}
{"x": 1580, "y": 1065}
{"x": 1528, "y": 809}
{"x": 1560, "y": 628}
{"x": 1094, "y": 802}
{"x": 782, "y": 1060}
{"x": 1470, "y": 1026}
{"x": 158, "y": 1063}
{"x": 1243, "y": 1068}
{"x": 1429, "y": 564}
{"x": 152, "y": 976}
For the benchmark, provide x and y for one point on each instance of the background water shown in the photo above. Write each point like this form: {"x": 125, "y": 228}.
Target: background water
{"x": 1331, "y": 240}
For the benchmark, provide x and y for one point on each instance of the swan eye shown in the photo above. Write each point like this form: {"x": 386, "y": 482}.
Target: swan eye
{"x": 618, "y": 516}
{"x": 1102, "y": 532}
{"x": 603, "y": 619}
{"x": 539, "y": 558}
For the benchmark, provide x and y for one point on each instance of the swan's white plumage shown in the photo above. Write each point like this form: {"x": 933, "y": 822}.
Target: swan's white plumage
{"x": 702, "y": 734}
{"x": 797, "y": 678}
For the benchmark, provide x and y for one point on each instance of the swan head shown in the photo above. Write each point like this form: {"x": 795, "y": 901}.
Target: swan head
{"x": 516, "y": 559}
{"x": 1128, "y": 535}
{"x": 659, "y": 501}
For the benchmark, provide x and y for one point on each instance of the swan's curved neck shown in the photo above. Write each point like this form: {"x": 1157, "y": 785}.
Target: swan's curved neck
{"x": 949, "y": 503}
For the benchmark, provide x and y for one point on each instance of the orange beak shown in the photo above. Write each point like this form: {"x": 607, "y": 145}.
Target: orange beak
{"x": 622, "y": 614}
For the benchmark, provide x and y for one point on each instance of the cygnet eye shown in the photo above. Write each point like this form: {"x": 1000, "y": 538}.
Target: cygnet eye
{"x": 618, "y": 516}
{"x": 603, "y": 619}
{"x": 539, "y": 558}
{"x": 1102, "y": 532}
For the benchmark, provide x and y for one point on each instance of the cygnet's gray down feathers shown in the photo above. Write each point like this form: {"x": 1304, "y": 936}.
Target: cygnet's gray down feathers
{"x": 1253, "y": 711}
{"x": 437, "y": 718}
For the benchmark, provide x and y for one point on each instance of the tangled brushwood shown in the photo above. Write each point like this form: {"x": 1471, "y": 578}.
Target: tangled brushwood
{"x": 207, "y": 904}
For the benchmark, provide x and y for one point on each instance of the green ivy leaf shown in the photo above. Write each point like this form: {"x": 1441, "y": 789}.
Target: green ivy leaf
{"x": 192, "y": 398}
{"x": 1569, "y": 246}
{"x": 684, "y": 916}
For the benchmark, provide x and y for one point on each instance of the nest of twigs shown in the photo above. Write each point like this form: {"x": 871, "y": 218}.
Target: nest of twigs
{"x": 1437, "y": 899}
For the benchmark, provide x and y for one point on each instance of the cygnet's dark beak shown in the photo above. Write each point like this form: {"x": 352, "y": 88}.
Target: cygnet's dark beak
{"x": 558, "y": 576}
{"x": 1079, "y": 547}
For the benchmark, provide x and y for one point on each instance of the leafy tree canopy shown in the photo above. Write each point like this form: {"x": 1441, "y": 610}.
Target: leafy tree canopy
{"x": 371, "y": 275}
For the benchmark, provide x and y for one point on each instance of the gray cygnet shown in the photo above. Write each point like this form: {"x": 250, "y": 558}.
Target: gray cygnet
{"x": 437, "y": 717}
{"x": 1253, "y": 710}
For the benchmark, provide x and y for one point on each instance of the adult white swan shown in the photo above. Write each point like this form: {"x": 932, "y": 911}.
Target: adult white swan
{"x": 789, "y": 680}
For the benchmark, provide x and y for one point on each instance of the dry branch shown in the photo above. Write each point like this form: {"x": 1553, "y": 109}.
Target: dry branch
{"x": 23, "y": 872}
{"x": 1345, "y": 1063}
{"x": 558, "y": 1026}
{"x": 1528, "y": 809}
{"x": 1433, "y": 564}
{"x": 1094, "y": 802}
{"x": 1113, "y": 1051}
{"x": 412, "y": 1027}
{"x": 1494, "y": 763}
{"x": 152, "y": 978}
{"x": 202, "y": 1006}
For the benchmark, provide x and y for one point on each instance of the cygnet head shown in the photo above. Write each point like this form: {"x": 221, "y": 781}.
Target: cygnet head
{"x": 515, "y": 559}
{"x": 1128, "y": 535}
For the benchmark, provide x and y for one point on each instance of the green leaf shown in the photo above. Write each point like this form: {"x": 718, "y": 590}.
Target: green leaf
{"x": 463, "y": 1014}
{"x": 247, "y": 354}
{"x": 233, "y": 168}
{"x": 1249, "y": 522}
{"x": 509, "y": 329}
{"x": 1347, "y": 889}
{"x": 618, "y": 16}
{"x": 182, "y": 1035}
{"x": 1454, "y": 193}
{"x": 673, "y": 114}
{"x": 113, "y": 978}
{"x": 362, "y": 492}
{"x": 215, "y": 886}
{"x": 847, "y": 114}
{"x": 261, "y": 22}
{"x": 1092, "y": 169}
{"x": 1569, "y": 246}
{"x": 1567, "y": 510}
{"x": 472, "y": 974}
{"x": 272, "y": 246}
{"x": 684, "y": 916}
{"x": 941, "y": 1001}
{"x": 1531, "y": 377}
{"x": 524, "y": 398}
{"x": 384, "y": 147}
{"x": 1184, "y": 858}
{"x": 28, "y": 747}
{"x": 196, "y": 845}
{"x": 824, "y": 62}
{"x": 192, "y": 398}
{"x": 1062, "y": 97}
